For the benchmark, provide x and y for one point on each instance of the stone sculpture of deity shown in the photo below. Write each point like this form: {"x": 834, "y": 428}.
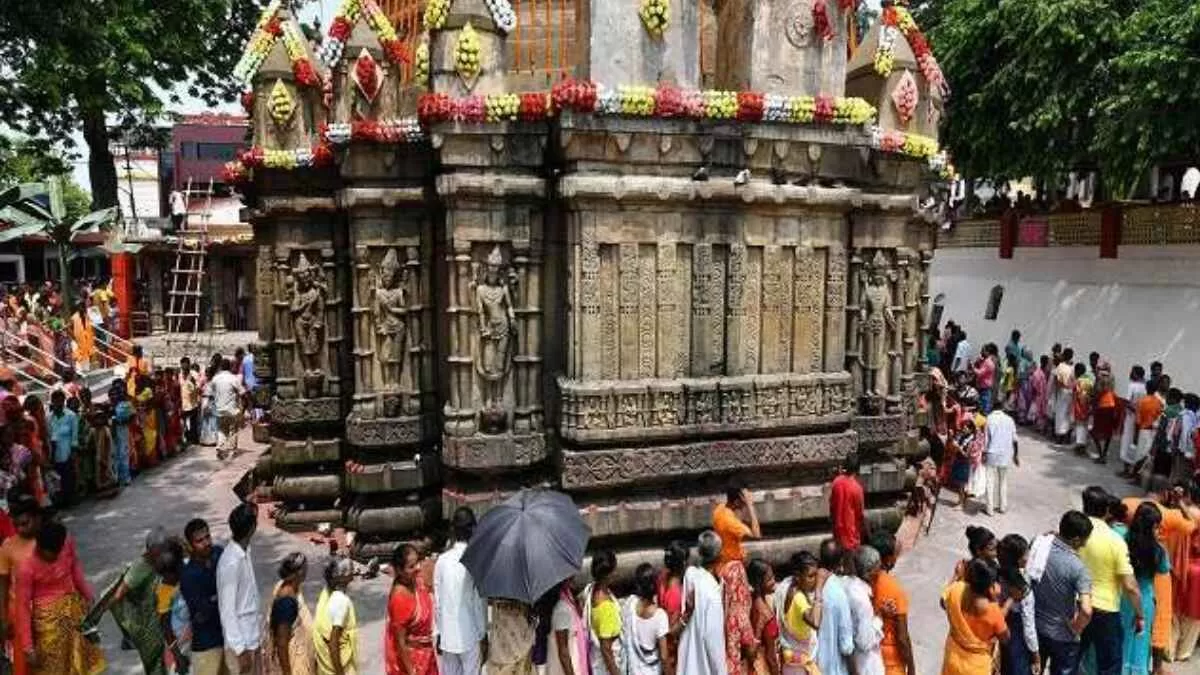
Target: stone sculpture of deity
{"x": 391, "y": 318}
{"x": 877, "y": 323}
{"x": 308, "y": 314}
{"x": 497, "y": 330}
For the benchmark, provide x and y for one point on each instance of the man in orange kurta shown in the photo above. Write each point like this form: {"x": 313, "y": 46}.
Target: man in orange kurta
{"x": 1174, "y": 534}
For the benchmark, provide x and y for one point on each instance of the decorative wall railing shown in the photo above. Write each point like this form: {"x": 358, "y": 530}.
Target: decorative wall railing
{"x": 1131, "y": 225}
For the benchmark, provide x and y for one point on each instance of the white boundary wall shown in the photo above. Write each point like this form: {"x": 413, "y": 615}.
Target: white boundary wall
{"x": 1140, "y": 307}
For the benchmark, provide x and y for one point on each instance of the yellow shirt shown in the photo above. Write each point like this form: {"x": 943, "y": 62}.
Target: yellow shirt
{"x": 795, "y": 616}
{"x": 606, "y": 619}
{"x": 1107, "y": 558}
{"x": 164, "y": 594}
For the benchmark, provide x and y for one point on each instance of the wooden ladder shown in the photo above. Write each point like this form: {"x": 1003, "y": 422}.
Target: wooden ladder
{"x": 188, "y": 273}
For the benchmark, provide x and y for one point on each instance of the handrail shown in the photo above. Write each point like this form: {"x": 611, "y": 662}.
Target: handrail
{"x": 35, "y": 378}
{"x": 111, "y": 340}
{"x": 39, "y": 350}
{"x": 99, "y": 347}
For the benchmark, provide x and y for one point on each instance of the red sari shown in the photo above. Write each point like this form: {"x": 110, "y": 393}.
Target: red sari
{"x": 739, "y": 633}
{"x": 413, "y": 612}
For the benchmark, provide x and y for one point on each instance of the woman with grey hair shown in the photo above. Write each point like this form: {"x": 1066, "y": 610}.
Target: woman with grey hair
{"x": 288, "y": 640}
{"x": 133, "y": 600}
{"x": 868, "y": 628}
{"x": 335, "y": 625}
{"x": 702, "y": 643}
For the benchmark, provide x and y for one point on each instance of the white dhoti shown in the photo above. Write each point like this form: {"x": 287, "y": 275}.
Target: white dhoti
{"x": 1062, "y": 412}
{"x": 1145, "y": 441}
{"x": 977, "y": 485}
{"x": 1129, "y": 439}
{"x": 1081, "y": 433}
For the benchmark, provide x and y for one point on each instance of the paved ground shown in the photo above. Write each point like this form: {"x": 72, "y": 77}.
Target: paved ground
{"x": 110, "y": 534}
{"x": 1048, "y": 482}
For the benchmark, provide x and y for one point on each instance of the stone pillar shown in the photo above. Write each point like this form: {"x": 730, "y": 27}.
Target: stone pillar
{"x": 216, "y": 275}
{"x": 835, "y": 310}
{"x": 154, "y": 274}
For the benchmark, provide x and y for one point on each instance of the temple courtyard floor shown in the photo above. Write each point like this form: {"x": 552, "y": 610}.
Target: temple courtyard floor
{"x": 110, "y": 535}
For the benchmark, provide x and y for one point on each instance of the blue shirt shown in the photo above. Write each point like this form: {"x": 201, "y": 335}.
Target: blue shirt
{"x": 248, "y": 379}
{"x": 198, "y": 585}
{"x": 835, "y": 638}
{"x": 64, "y": 433}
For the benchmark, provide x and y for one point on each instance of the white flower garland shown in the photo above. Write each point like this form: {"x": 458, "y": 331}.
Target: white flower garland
{"x": 502, "y": 14}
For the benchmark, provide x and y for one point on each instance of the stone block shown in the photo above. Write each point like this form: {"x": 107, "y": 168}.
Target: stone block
{"x": 384, "y": 432}
{"x": 287, "y": 453}
{"x": 879, "y": 430}
{"x": 300, "y": 412}
{"x": 394, "y": 476}
{"x": 320, "y": 488}
{"x": 609, "y": 469}
{"x": 481, "y": 453}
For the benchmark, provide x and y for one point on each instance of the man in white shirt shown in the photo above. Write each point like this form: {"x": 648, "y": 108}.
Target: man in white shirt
{"x": 460, "y": 614}
{"x": 1001, "y": 452}
{"x": 962, "y": 355}
{"x": 702, "y": 642}
{"x": 237, "y": 595}
{"x": 227, "y": 393}
{"x": 868, "y": 628}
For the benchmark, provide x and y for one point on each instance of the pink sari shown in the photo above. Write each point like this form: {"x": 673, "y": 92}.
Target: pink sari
{"x": 1039, "y": 395}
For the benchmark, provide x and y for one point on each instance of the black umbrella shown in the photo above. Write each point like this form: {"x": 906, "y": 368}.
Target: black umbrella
{"x": 526, "y": 546}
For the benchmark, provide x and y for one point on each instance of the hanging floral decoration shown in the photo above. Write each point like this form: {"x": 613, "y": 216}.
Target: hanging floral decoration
{"x": 435, "y": 15}
{"x": 900, "y": 142}
{"x": 261, "y": 40}
{"x": 466, "y": 53}
{"x": 421, "y": 65}
{"x": 404, "y": 130}
{"x": 342, "y": 27}
{"x": 897, "y": 21}
{"x": 663, "y": 102}
{"x": 822, "y": 26}
{"x": 905, "y": 97}
{"x": 656, "y": 15}
{"x": 281, "y": 105}
{"x": 248, "y": 101}
{"x": 302, "y": 67}
{"x": 502, "y": 14}
{"x": 366, "y": 76}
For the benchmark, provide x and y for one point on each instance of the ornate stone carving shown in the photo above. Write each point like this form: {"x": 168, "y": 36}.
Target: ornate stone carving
{"x": 489, "y": 453}
{"x": 497, "y": 333}
{"x": 391, "y": 319}
{"x": 308, "y": 451}
{"x": 298, "y": 411}
{"x": 383, "y": 432}
{"x": 307, "y": 306}
{"x": 589, "y": 469}
{"x": 877, "y": 323}
{"x": 665, "y": 409}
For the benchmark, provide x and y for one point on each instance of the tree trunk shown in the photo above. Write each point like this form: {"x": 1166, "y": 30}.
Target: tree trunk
{"x": 101, "y": 170}
{"x": 64, "y": 282}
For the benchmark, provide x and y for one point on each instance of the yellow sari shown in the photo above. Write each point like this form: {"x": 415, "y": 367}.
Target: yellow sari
{"x": 965, "y": 653}
{"x": 149, "y": 420}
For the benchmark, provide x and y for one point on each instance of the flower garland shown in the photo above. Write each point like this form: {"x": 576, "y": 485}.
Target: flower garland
{"x": 656, "y": 15}
{"x": 261, "y": 41}
{"x": 343, "y": 25}
{"x": 241, "y": 169}
{"x": 663, "y": 102}
{"x": 897, "y": 21}
{"x": 435, "y": 15}
{"x": 302, "y": 67}
{"x": 466, "y": 53}
{"x": 404, "y": 130}
{"x": 421, "y": 65}
{"x": 502, "y": 14}
{"x": 900, "y": 142}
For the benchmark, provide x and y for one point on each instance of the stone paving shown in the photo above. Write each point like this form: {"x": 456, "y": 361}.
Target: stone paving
{"x": 1048, "y": 483}
{"x": 110, "y": 534}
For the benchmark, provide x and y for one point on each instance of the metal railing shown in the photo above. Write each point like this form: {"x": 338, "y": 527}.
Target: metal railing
{"x": 11, "y": 338}
{"x": 18, "y": 360}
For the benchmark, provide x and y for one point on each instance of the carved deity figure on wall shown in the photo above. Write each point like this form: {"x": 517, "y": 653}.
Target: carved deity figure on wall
{"x": 497, "y": 330}
{"x": 308, "y": 314}
{"x": 876, "y": 323}
{"x": 391, "y": 317}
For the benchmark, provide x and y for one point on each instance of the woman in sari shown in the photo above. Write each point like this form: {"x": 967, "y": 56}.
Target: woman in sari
{"x": 976, "y": 622}
{"x": 85, "y": 339}
{"x": 1149, "y": 560}
{"x": 34, "y": 437}
{"x": 762, "y": 617}
{"x": 408, "y": 644}
{"x": 567, "y": 646}
{"x": 287, "y": 640}
{"x": 133, "y": 601}
{"x": 1105, "y": 418}
{"x": 335, "y": 623}
{"x": 602, "y": 614}
{"x": 52, "y": 599}
{"x": 798, "y": 613}
{"x": 670, "y": 597}
{"x": 739, "y": 635}
{"x": 148, "y": 422}
{"x": 1039, "y": 393}
{"x": 173, "y": 412}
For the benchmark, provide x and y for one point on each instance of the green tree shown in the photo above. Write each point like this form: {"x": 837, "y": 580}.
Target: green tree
{"x": 1041, "y": 88}
{"x": 24, "y": 160}
{"x": 82, "y": 65}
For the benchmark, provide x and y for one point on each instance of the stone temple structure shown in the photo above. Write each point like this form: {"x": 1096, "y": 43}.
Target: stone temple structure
{"x": 619, "y": 285}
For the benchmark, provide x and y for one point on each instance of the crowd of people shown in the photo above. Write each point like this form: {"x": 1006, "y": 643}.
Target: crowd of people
{"x": 78, "y": 446}
{"x": 33, "y": 328}
{"x": 1115, "y": 587}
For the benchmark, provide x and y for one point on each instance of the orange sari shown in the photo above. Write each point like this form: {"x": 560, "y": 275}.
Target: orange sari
{"x": 965, "y": 653}
{"x": 85, "y": 339}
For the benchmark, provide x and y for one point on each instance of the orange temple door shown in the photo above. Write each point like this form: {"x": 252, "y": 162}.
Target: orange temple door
{"x": 122, "y": 274}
